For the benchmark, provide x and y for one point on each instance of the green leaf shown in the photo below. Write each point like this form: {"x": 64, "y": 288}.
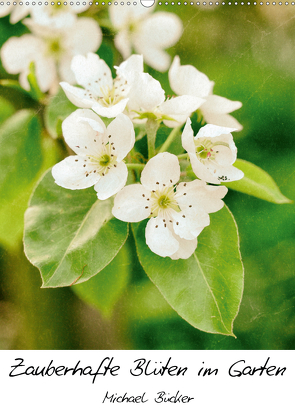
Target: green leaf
{"x": 104, "y": 289}
{"x": 205, "y": 289}
{"x": 70, "y": 235}
{"x": 12, "y": 211}
{"x": 6, "y": 109}
{"x": 257, "y": 183}
{"x": 57, "y": 110}
{"x": 21, "y": 153}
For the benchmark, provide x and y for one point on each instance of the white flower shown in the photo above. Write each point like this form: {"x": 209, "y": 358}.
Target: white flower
{"x": 147, "y": 99}
{"x": 107, "y": 97}
{"x": 212, "y": 152}
{"x": 186, "y": 79}
{"x": 100, "y": 152}
{"x": 17, "y": 11}
{"x": 148, "y": 34}
{"x": 41, "y": 13}
{"x": 51, "y": 49}
{"x": 58, "y": 15}
{"x": 178, "y": 213}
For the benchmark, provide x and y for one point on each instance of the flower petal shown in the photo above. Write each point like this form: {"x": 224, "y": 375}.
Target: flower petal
{"x": 222, "y": 120}
{"x": 111, "y": 111}
{"x": 92, "y": 72}
{"x": 184, "y": 105}
{"x": 112, "y": 182}
{"x": 228, "y": 173}
{"x": 200, "y": 196}
{"x": 84, "y": 36}
{"x": 162, "y": 170}
{"x": 131, "y": 204}
{"x": 159, "y": 238}
{"x": 186, "y": 79}
{"x": 122, "y": 16}
{"x": 132, "y": 65}
{"x": 159, "y": 31}
{"x": 79, "y": 135}
{"x": 189, "y": 223}
{"x": 148, "y": 91}
{"x": 77, "y": 96}
{"x": 186, "y": 248}
{"x": 123, "y": 44}
{"x": 121, "y": 133}
{"x": 215, "y": 111}
{"x": 187, "y": 137}
{"x": 74, "y": 173}
{"x": 220, "y": 105}
{"x": 203, "y": 170}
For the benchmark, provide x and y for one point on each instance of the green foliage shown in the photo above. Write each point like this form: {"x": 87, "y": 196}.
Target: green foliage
{"x": 6, "y": 109}
{"x": 104, "y": 289}
{"x": 21, "y": 155}
{"x": 58, "y": 108}
{"x": 205, "y": 289}
{"x": 257, "y": 183}
{"x": 70, "y": 235}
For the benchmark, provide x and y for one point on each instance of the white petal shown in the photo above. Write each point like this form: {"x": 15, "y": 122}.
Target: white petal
{"x": 220, "y": 105}
{"x": 186, "y": 248}
{"x": 131, "y": 204}
{"x": 162, "y": 169}
{"x": 184, "y": 105}
{"x": 112, "y": 182}
{"x": 79, "y": 135}
{"x": 71, "y": 173}
{"x": 64, "y": 69}
{"x": 123, "y": 44}
{"x": 201, "y": 196}
{"x": 91, "y": 72}
{"x": 121, "y": 15}
{"x": 222, "y": 120}
{"x": 186, "y": 79}
{"x": 225, "y": 155}
{"x": 159, "y": 238}
{"x": 189, "y": 223}
{"x": 122, "y": 135}
{"x": 133, "y": 64}
{"x": 161, "y": 29}
{"x": 111, "y": 111}
{"x": 84, "y": 36}
{"x": 228, "y": 173}
{"x": 215, "y": 111}
{"x": 157, "y": 32}
{"x": 211, "y": 131}
{"x": 205, "y": 171}
{"x": 19, "y": 12}
{"x": 187, "y": 137}
{"x": 148, "y": 91}
{"x": 5, "y": 9}
{"x": 77, "y": 96}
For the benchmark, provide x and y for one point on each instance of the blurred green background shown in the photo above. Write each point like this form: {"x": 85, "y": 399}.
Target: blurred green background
{"x": 249, "y": 51}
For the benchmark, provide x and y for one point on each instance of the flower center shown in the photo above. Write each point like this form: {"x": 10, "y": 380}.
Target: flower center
{"x": 54, "y": 48}
{"x": 105, "y": 160}
{"x": 204, "y": 149}
{"x": 163, "y": 202}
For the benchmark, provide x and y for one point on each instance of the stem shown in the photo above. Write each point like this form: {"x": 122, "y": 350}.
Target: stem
{"x": 170, "y": 139}
{"x": 135, "y": 166}
{"x": 182, "y": 156}
{"x": 151, "y": 129}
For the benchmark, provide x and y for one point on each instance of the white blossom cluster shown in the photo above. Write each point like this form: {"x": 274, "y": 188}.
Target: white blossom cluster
{"x": 62, "y": 47}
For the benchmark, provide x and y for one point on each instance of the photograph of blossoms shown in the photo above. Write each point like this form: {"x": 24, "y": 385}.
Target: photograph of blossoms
{"x": 147, "y": 175}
